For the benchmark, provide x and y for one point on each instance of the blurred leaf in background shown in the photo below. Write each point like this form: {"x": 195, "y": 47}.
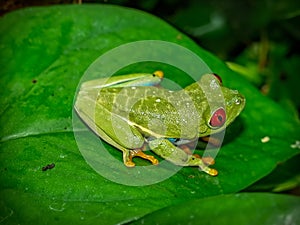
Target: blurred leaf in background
{"x": 259, "y": 39}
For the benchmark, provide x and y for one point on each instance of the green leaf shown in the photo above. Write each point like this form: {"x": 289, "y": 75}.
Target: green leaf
{"x": 285, "y": 177}
{"x": 44, "y": 53}
{"x": 245, "y": 208}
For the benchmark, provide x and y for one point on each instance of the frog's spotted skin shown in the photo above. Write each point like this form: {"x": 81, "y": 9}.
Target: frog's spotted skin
{"x": 129, "y": 115}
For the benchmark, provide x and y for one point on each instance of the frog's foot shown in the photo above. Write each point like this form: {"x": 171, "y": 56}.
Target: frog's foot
{"x": 129, "y": 163}
{"x": 212, "y": 140}
{"x": 140, "y": 153}
{"x": 127, "y": 159}
{"x": 208, "y": 170}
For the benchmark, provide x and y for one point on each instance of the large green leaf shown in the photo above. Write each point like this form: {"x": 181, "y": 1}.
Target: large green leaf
{"x": 44, "y": 53}
{"x": 267, "y": 209}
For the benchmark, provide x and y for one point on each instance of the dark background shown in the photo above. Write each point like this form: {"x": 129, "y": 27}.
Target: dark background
{"x": 260, "y": 39}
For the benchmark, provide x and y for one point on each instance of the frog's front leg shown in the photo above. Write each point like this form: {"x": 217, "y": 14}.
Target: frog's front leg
{"x": 177, "y": 156}
{"x": 141, "y": 154}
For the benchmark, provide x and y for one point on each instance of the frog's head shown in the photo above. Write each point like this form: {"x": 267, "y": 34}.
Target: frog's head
{"x": 222, "y": 106}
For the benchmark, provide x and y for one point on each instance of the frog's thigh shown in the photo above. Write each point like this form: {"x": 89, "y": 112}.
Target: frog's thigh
{"x": 100, "y": 120}
{"x": 113, "y": 129}
{"x": 127, "y": 158}
{"x": 125, "y": 137}
{"x": 107, "y": 125}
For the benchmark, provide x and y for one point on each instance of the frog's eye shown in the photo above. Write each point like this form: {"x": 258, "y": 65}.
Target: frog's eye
{"x": 218, "y": 78}
{"x": 218, "y": 118}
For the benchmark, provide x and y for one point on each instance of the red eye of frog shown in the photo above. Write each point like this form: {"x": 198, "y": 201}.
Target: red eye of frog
{"x": 218, "y": 118}
{"x": 218, "y": 78}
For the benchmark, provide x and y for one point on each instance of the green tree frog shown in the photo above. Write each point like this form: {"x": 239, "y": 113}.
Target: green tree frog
{"x": 133, "y": 113}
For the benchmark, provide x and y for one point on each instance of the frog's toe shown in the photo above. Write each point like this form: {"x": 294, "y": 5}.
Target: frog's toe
{"x": 208, "y": 160}
{"x": 127, "y": 159}
{"x": 197, "y": 156}
{"x": 129, "y": 163}
{"x": 153, "y": 160}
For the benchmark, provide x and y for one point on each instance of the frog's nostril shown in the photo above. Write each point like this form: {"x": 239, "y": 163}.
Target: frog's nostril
{"x": 240, "y": 100}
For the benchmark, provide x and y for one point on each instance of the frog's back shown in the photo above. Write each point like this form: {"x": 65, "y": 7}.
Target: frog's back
{"x": 163, "y": 112}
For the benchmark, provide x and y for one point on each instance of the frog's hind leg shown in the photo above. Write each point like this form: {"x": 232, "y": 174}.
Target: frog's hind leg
{"x": 114, "y": 130}
{"x": 128, "y": 155}
{"x": 212, "y": 140}
{"x": 140, "y": 153}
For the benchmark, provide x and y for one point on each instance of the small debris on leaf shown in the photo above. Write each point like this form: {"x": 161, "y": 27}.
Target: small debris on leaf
{"x": 296, "y": 145}
{"x": 48, "y": 167}
{"x": 265, "y": 139}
